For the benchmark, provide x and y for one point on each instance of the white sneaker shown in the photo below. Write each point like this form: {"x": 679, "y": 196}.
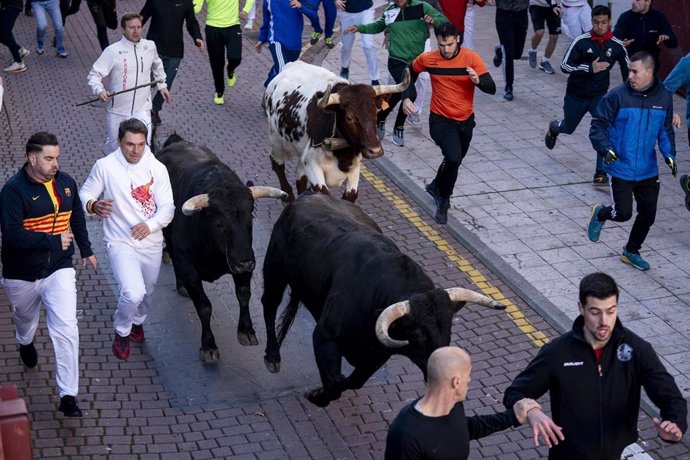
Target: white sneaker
{"x": 16, "y": 67}
{"x": 249, "y": 25}
{"x": 23, "y": 52}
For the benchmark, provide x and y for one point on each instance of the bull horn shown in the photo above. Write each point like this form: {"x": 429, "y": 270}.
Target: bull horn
{"x": 259, "y": 191}
{"x": 386, "y": 318}
{"x": 380, "y": 90}
{"x": 328, "y": 98}
{"x": 195, "y": 204}
{"x": 465, "y": 295}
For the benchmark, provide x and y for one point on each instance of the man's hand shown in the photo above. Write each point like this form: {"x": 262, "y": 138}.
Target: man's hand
{"x": 350, "y": 30}
{"x": 662, "y": 38}
{"x": 673, "y": 165}
{"x": 598, "y": 66}
{"x": 543, "y": 426}
{"x": 557, "y": 9}
{"x": 473, "y": 75}
{"x": 140, "y": 231}
{"x": 609, "y": 156}
{"x": 166, "y": 95}
{"x": 103, "y": 96}
{"x": 103, "y": 208}
{"x": 340, "y": 4}
{"x": 92, "y": 260}
{"x": 676, "y": 121}
{"x": 200, "y": 44}
{"x": 428, "y": 19}
{"x": 258, "y": 47}
{"x": 243, "y": 15}
{"x": 66, "y": 239}
{"x": 668, "y": 431}
{"x": 628, "y": 41}
{"x": 408, "y": 106}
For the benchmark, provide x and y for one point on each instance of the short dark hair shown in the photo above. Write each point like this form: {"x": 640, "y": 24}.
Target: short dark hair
{"x": 132, "y": 126}
{"x": 38, "y": 140}
{"x": 598, "y": 285}
{"x": 601, "y": 10}
{"x": 446, "y": 29}
{"x": 128, "y": 17}
{"x": 645, "y": 57}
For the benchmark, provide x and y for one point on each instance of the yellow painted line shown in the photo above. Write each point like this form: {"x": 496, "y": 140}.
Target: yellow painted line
{"x": 513, "y": 312}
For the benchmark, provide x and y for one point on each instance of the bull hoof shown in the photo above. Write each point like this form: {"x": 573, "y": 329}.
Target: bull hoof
{"x": 209, "y": 356}
{"x": 273, "y": 368}
{"x": 247, "y": 339}
{"x": 166, "y": 258}
{"x": 318, "y": 397}
{"x": 183, "y": 291}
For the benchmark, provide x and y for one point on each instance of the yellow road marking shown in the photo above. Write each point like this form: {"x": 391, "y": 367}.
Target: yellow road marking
{"x": 518, "y": 318}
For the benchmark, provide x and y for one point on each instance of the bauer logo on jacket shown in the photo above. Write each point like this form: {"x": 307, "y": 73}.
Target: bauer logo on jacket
{"x": 624, "y": 352}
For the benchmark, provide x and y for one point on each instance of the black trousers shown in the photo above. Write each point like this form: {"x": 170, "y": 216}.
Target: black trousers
{"x": 574, "y": 109}
{"x": 512, "y": 31}
{"x": 454, "y": 138}
{"x": 8, "y": 16}
{"x": 397, "y": 71}
{"x": 223, "y": 42}
{"x": 96, "y": 9}
{"x": 646, "y": 194}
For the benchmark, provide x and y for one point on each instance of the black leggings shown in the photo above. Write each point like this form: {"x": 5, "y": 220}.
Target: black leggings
{"x": 646, "y": 193}
{"x": 454, "y": 138}
{"x": 222, "y": 42}
{"x": 98, "y": 15}
{"x": 397, "y": 71}
{"x": 512, "y": 30}
{"x": 8, "y": 16}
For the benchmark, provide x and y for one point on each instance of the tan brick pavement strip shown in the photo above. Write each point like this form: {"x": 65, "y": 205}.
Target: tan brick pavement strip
{"x": 164, "y": 404}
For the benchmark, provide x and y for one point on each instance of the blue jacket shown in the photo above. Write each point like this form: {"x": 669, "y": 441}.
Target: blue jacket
{"x": 680, "y": 76}
{"x": 630, "y": 123}
{"x": 282, "y": 24}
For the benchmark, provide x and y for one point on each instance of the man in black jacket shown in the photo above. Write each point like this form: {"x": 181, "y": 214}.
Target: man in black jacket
{"x": 435, "y": 426}
{"x": 644, "y": 29}
{"x": 594, "y": 374}
{"x": 167, "y": 18}
{"x": 588, "y": 62}
{"x": 40, "y": 216}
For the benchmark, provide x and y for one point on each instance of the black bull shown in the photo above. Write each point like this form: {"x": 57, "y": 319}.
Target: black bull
{"x": 369, "y": 300}
{"x": 211, "y": 233}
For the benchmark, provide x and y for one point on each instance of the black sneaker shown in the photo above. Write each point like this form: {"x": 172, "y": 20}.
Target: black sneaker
{"x": 432, "y": 190}
{"x": 551, "y": 134}
{"x": 600, "y": 179}
{"x": 68, "y": 406}
{"x": 685, "y": 185}
{"x": 508, "y": 96}
{"x": 441, "y": 215}
{"x": 498, "y": 56}
{"x": 345, "y": 72}
{"x": 28, "y": 355}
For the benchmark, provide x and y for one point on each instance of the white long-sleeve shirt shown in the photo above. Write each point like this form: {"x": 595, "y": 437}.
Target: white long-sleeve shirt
{"x": 141, "y": 193}
{"x": 128, "y": 64}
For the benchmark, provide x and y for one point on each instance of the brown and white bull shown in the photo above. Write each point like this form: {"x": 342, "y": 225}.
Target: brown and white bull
{"x": 325, "y": 121}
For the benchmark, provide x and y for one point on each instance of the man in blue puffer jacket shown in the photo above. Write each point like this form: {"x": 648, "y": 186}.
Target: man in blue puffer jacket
{"x": 627, "y": 124}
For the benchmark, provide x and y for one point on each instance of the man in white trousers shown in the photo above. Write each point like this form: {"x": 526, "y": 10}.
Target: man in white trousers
{"x": 131, "y": 191}
{"x": 40, "y": 217}
{"x": 353, "y": 12}
{"x": 576, "y": 16}
{"x": 129, "y": 63}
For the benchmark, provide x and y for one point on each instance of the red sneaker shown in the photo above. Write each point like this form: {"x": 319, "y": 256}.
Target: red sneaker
{"x": 121, "y": 347}
{"x": 137, "y": 334}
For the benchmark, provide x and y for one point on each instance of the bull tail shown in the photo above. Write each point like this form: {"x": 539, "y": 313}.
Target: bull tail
{"x": 287, "y": 317}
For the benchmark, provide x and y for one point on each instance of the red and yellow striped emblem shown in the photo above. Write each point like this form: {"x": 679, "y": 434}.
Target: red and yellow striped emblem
{"x": 50, "y": 223}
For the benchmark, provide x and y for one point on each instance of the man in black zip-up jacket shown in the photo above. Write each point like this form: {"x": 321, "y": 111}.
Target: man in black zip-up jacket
{"x": 594, "y": 375}
{"x": 167, "y": 18}
{"x": 588, "y": 63}
{"x": 644, "y": 29}
{"x": 40, "y": 216}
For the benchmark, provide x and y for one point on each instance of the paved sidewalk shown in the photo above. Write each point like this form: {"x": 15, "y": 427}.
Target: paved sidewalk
{"x": 530, "y": 206}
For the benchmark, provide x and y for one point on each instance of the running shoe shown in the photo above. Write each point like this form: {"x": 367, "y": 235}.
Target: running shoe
{"x": 218, "y": 99}
{"x": 381, "y": 129}
{"x": 28, "y": 355}
{"x": 121, "y": 347}
{"x": 345, "y": 72}
{"x": 314, "y": 38}
{"x": 329, "y": 43}
{"x": 441, "y": 215}
{"x": 532, "y": 58}
{"x": 137, "y": 333}
{"x": 508, "y": 96}
{"x": 635, "y": 260}
{"x": 546, "y": 67}
{"x": 399, "y": 137}
{"x": 551, "y": 134}
{"x": 232, "y": 80}
{"x": 68, "y": 406}
{"x": 23, "y": 52}
{"x": 249, "y": 25}
{"x": 685, "y": 185}
{"x": 595, "y": 225}
{"x": 15, "y": 67}
{"x": 498, "y": 56}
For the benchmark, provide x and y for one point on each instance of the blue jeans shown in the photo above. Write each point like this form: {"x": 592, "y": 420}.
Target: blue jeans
{"x": 42, "y": 9}
{"x": 170, "y": 65}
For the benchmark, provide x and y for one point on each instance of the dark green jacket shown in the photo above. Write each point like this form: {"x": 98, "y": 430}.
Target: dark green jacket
{"x": 408, "y": 31}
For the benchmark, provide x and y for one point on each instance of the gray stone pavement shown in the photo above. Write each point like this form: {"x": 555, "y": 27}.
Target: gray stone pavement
{"x": 163, "y": 403}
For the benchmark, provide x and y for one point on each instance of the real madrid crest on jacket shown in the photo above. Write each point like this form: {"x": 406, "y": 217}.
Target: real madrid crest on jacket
{"x": 591, "y": 401}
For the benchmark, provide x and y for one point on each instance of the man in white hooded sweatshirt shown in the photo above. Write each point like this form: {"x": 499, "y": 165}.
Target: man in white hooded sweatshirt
{"x": 129, "y": 63}
{"x": 136, "y": 204}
